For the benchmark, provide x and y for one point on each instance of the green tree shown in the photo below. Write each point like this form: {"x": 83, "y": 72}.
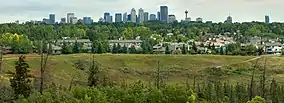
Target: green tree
{"x": 184, "y": 50}
{"x": 20, "y": 82}
{"x": 132, "y": 49}
{"x": 114, "y": 49}
{"x": 76, "y": 48}
{"x": 124, "y": 49}
{"x": 118, "y": 48}
{"x": 94, "y": 78}
{"x": 167, "y": 50}
{"x": 194, "y": 47}
{"x": 100, "y": 48}
{"x": 66, "y": 49}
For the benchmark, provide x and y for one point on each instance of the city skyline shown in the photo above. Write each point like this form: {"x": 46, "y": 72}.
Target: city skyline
{"x": 208, "y": 10}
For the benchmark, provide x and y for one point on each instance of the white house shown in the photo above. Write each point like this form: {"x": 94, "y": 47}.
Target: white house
{"x": 273, "y": 48}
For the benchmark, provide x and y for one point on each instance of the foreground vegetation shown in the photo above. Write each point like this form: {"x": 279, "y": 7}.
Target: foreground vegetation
{"x": 260, "y": 87}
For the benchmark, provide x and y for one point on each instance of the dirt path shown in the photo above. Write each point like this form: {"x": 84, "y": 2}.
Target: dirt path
{"x": 255, "y": 58}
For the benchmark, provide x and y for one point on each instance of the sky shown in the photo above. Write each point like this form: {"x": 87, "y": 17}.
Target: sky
{"x": 209, "y": 10}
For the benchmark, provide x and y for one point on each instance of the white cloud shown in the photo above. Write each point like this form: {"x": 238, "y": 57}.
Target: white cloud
{"x": 215, "y": 10}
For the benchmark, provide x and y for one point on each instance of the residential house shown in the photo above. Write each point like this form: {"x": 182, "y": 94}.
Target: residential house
{"x": 177, "y": 47}
{"x": 127, "y": 43}
{"x": 273, "y": 48}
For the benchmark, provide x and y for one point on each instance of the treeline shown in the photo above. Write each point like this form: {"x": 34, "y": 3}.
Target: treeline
{"x": 182, "y": 31}
{"x": 98, "y": 89}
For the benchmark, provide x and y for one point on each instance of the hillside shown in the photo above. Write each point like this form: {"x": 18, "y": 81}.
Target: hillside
{"x": 141, "y": 67}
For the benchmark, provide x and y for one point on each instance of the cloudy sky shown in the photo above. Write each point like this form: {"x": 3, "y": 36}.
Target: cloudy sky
{"x": 213, "y": 10}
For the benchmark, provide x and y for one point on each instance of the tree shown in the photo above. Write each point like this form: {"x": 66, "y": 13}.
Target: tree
{"x": 76, "y": 48}
{"x": 118, "y": 48}
{"x": 194, "y": 47}
{"x": 100, "y": 48}
{"x": 184, "y": 51}
{"x": 132, "y": 49}
{"x": 20, "y": 82}
{"x": 94, "y": 79}
{"x": 114, "y": 49}
{"x": 124, "y": 49}
{"x": 257, "y": 99}
{"x": 66, "y": 49}
{"x": 167, "y": 50}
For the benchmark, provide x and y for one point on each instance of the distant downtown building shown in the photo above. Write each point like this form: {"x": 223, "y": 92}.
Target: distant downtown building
{"x": 125, "y": 17}
{"x": 107, "y": 17}
{"x": 141, "y": 15}
{"x": 63, "y": 20}
{"x": 152, "y": 17}
{"x": 133, "y": 15}
{"x": 87, "y": 20}
{"x": 229, "y": 20}
{"x": 164, "y": 13}
{"x": 51, "y": 18}
{"x": 69, "y": 16}
{"x": 74, "y": 20}
{"x": 199, "y": 19}
{"x": 171, "y": 18}
{"x": 118, "y": 17}
{"x": 146, "y": 16}
{"x": 158, "y": 15}
{"x": 267, "y": 19}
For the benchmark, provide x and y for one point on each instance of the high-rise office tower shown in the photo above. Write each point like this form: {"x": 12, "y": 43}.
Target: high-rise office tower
{"x": 118, "y": 17}
{"x": 199, "y": 19}
{"x": 63, "y": 20}
{"x": 164, "y": 13}
{"x": 106, "y": 15}
{"x": 87, "y": 20}
{"x": 129, "y": 18}
{"x": 69, "y": 16}
{"x": 267, "y": 19}
{"x": 152, "y": 17}
{"x": 158, "y": 15}
{"x": 141, "y": 15}
{"x": 51, "y": 18}
{"x": 74, "y": 20}
{"x": 171, "y": 18}
{"x": 125, "y": 17}
{"x": 146, "y": 16}
{"x": 133, "y": 15}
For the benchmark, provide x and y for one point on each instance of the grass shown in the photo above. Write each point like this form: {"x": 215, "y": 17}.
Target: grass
{"x": 122, "y": 67}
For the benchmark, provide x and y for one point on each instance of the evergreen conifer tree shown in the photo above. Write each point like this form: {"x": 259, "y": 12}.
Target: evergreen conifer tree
{"x": 20, "y": 82}
{"x": 76, "y": 48}
{"x": 167, "y": 50}
{"x": 132, "y": 49}
{"x": 114, "y": 49}
{"x": 184, "y": 51}
{"x": 124, "y": 49}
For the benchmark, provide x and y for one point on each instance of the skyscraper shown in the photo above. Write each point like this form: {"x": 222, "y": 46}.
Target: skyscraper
{"x": 172, "y": 18}
{"x": 146, "y": 16}
{"x": 69, "y": 16}
{"x": 51, "y": 18}
{"x": 152, "y": 17}
{"x": 129, "y": 18}
{"x": 118, "y": 17}
{"x": 87, "y": 20}
{"x": 133, "y": 15}
{"x": 164, "y": 13}
{"x": 74, "y": 20}
{"x": 125, "y": 17}
{"x": 141, "y": 15}
{"x": 267, "y": 19}
{"x": 63, "y": 20}
{"x": 107, "y": 17}
{"x": 159, "y": 15}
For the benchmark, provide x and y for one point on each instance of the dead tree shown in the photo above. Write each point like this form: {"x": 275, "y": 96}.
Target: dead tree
{"x": 264, "y": 79}
{"x": 252, "y": 81}
{"x": 43, "y": 63}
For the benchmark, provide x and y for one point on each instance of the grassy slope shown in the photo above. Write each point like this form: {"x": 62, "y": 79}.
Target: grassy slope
{"x": 140, "y": 66}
